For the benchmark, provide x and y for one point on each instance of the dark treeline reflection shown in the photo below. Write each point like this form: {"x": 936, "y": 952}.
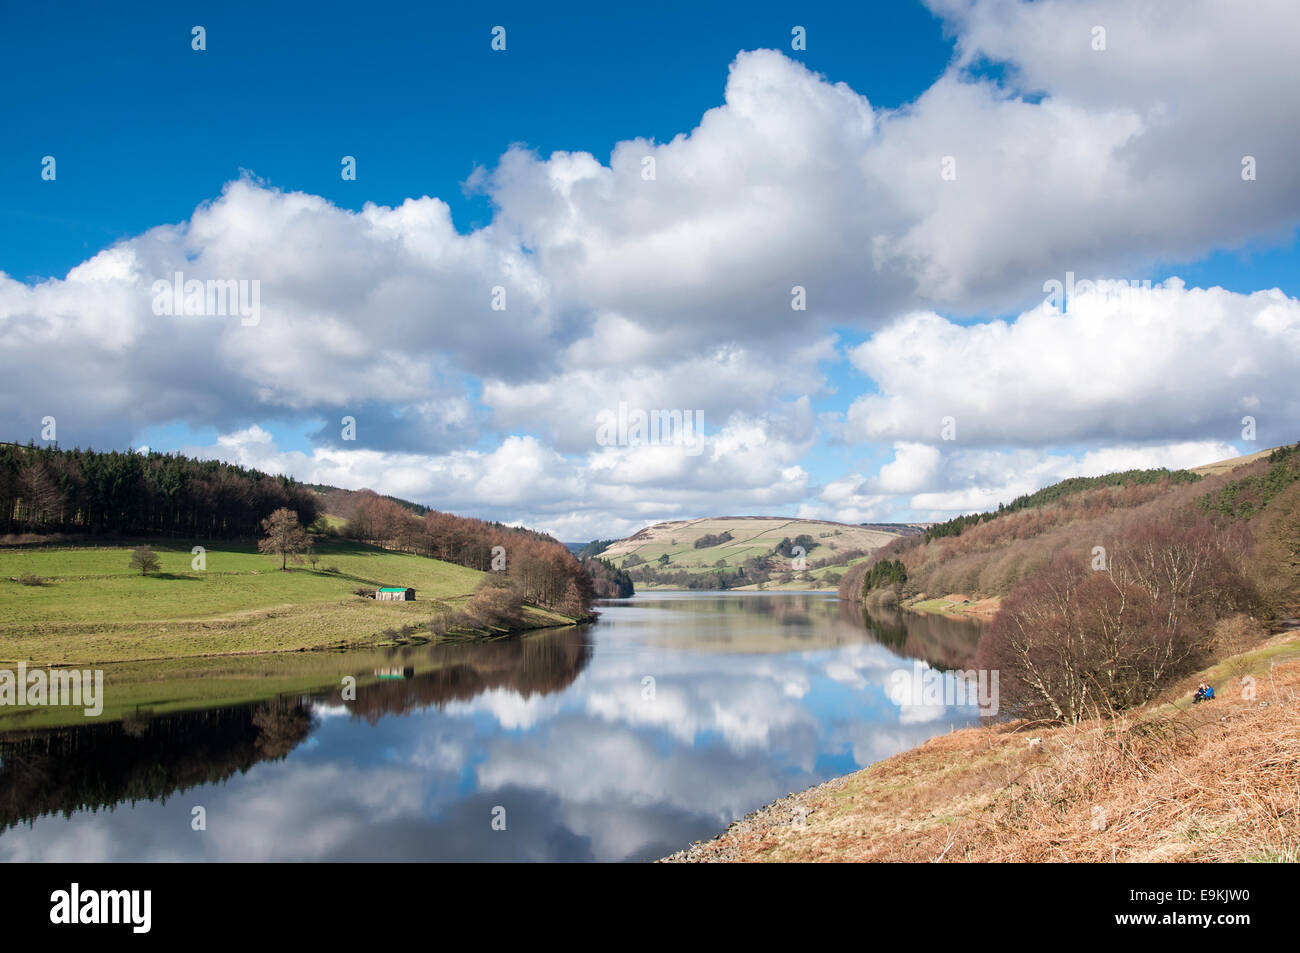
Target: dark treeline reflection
{"x": 538, "y": 664}
{"x": 935, "y": 639}
{"x": 152, "y": 757}
{"x": 86, "y": 767}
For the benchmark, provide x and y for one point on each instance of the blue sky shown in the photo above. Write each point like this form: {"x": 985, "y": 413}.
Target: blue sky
{"x": 145, "y": 129}
{"x": 816, "y": 167}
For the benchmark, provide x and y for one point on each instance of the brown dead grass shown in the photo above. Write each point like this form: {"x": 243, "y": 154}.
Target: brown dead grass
{"x": 1214, "y": 782}
{"x": 1232, "y": 463}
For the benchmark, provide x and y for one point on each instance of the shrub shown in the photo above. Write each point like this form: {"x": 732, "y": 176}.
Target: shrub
{"x": 31, "y": 579}
{"x": 144, "y": 559}
{"x": 495, "y": 607}
{"x": 1236, "y": 633}
{"x": 713, "y": 539}
{"x": 884, "y": 598}
{"x": 444, "y": 620}
{"x": 1072, "y": 642}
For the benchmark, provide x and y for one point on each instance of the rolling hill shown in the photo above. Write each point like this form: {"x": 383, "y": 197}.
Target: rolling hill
{"x": 971, "y": 562}
{"x": 728, "y": 547}
{"x": 70, "y": 521}
{"x": 85, "y": 604}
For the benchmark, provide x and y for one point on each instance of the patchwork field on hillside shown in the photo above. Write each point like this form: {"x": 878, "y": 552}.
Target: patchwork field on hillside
{"x": 750, "y": 537}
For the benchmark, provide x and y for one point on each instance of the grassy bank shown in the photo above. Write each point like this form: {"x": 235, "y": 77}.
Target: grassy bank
{"x": 1170, "y": 782}
{"x": 91, "y": 607}
{"x": 954, "y": 604}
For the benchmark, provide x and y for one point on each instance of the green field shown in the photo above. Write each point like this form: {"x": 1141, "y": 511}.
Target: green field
{"x": 751, "y": 536}
{"x": 95, "y": 608}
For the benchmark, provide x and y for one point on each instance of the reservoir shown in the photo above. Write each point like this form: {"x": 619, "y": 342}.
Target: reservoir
{"x": 622, "y": 740}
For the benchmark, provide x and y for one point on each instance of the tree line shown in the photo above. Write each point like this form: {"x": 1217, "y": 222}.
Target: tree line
{"x": 1244, "y": 497}
{"x": 886, "y": 572}
{"x": 540, "y": 569}
{"x": 1058, "y": 491}
{"x": 713, "y": 539}
{"x": 607, "y": 580}
{"x": 46, "y": 490}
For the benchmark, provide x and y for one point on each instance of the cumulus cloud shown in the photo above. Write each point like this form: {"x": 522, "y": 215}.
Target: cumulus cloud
{"x": 523, "y": 480}
{"x": 476, "y": 362}
{"x": 1169, "y": 362}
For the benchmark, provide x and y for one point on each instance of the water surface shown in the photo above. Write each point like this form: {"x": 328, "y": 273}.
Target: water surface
{"x": 627, "y": 739}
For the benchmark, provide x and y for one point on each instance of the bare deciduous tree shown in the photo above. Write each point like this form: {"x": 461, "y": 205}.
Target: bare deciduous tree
{"x": 285, "y": 537}
{"x": 1072, "y": 641}
{"x": 144, "y": 559}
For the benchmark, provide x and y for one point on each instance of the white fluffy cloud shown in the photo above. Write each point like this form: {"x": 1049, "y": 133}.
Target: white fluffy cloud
{"x": 521, "y": 479}
{"x": 675, "y": 292}
{"x": 1170, "y": 362}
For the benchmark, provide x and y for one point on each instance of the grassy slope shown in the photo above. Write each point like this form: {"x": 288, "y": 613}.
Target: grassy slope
{"x": 1232, "y": 463}
{"x": 752, "y": 537}
{"x": 956, "y": 604}
{"x": 95, "y": 609}
{"x": 1171, "y": 782}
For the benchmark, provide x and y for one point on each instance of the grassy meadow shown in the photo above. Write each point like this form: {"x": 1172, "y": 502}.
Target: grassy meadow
{"x": 92, "y": 607}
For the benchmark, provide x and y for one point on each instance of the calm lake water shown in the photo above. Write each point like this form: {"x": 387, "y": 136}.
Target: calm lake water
{"x": 627, "y": 739}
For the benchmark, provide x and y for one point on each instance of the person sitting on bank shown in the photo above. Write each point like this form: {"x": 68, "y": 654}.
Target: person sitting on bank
{"x": 1203, "y": 693}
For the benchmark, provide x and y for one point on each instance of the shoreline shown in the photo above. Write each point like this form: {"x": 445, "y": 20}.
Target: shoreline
{"x": 1212, "y": 782}
{"x": 955, "y": 606}
{"x": 167, "y": 685}
{"x": 381, "y": 640}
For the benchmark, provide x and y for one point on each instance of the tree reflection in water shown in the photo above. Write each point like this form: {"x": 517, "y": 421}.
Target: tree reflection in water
{"x": 153, "y": 757}
{"x": 937, "y": 640}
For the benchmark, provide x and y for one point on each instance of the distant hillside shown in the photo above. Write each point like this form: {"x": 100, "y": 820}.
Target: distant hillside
{"x": 898, "y": 529}
{"x": 987, "y": 555}
{"x": 1059, "y": 491}
{"x": 1106, "y": 591}
{"x": 336, "y": 501}
{"x": 339, "y": 506}
{"x": 733, "y": 552}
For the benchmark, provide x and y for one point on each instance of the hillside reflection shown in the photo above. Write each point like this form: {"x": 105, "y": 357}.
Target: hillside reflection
{"x": 937, "y": 640}
{"x": 88, "y": 767}
{"x": 150, "y": 757}
{"x": 534, "y": 665}
{"x": 805, "y": 622}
